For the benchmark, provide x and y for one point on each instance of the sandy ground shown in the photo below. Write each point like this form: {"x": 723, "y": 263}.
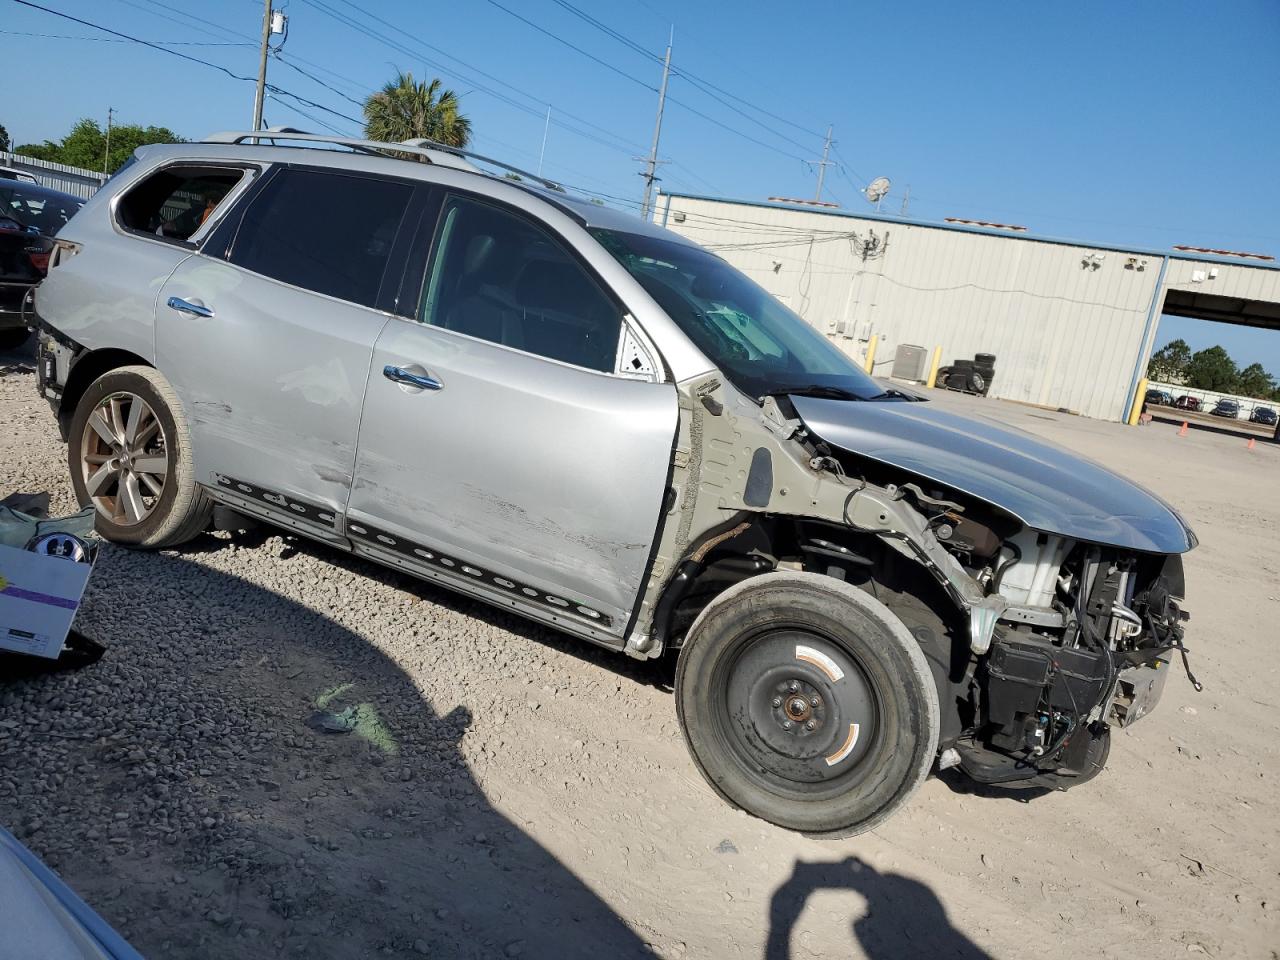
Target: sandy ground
{"x": 517, "y": 793}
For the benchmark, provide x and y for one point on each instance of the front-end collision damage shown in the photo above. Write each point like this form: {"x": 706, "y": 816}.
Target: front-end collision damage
{"x": 1039, "y": 641}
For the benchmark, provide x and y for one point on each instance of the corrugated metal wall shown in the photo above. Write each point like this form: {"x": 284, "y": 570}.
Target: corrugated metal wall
{"x": 1066, "y": 333}
{"x": 58, "y": 176}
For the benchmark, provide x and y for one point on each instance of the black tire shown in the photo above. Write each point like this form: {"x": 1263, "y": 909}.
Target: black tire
{"x": 985, "y": 369}
{"x": 12, "y": 338}
{"x": 976, "y": 382}
{"x": 962, "y": 365}
{"x": 984, "y": 359}
{"x": 174, "y": 513}
{"x": 759, "y": 656}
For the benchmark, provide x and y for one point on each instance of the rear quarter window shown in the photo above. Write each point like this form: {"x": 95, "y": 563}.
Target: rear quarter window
{"x": 175, "y": 202}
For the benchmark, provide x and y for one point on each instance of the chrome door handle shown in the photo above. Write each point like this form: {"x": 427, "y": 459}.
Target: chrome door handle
{"x": 401, "y": 375}
{"x": 186, "y": 306}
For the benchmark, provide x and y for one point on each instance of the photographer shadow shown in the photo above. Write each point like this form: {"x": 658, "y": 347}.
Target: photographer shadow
{"x": 903, "y": 919}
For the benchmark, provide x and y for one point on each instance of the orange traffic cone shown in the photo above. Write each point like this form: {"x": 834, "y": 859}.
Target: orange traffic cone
{"x": 1251, "y": 441}
{"x": 1183, "y": 431}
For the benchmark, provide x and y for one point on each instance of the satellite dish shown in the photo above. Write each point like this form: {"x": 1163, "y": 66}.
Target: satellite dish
{"x": 876, "y": 190}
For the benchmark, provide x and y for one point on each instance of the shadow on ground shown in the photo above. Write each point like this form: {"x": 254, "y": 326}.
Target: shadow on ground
{"x": 903, "y": 918}
{"x": 201, "y": 815}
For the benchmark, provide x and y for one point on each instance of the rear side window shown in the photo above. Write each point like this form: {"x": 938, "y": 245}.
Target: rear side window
{"x": 502, "y": 278}
{"x": 174, "y": 203}
{"x": 327, "y": 232}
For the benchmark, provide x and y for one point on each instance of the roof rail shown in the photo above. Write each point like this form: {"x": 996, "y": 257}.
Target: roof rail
{"x": 438, "y": 153}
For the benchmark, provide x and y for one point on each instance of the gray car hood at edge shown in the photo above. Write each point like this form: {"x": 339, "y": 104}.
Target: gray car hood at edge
{"x": 1045, "y": 487}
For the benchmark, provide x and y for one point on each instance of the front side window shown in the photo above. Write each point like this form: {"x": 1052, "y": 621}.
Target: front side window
{"x": 175, "y": 202}
{"x": 327, "y": 232}
{"x": 502, "y": 278}
{"x": 760, "y": 345}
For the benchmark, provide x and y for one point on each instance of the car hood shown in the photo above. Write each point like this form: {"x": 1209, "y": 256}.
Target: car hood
{"x": 1044, "y": 486}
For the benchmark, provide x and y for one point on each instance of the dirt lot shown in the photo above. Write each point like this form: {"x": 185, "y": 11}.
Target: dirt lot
{"x": 511, "y": 792}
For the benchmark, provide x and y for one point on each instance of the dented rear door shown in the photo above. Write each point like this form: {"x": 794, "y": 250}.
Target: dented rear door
{"x": 269, "y": 346}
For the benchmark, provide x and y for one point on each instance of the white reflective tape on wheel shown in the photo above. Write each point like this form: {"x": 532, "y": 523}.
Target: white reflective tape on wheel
{"x": 846, "y": 748}
{"x": 820, "y": 660}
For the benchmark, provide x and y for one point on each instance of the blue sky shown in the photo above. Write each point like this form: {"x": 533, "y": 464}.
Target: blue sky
{"x": 1148, "y": 123}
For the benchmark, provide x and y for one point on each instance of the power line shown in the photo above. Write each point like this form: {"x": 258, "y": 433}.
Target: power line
{"x": 418, "y": 55}
{"x": 313, "y": 78}
{"x": 163, "y": 43}
{"x": 590, "y": 56}
{"x": 696, "y": 112}
{"x": 706, "y": 86}
{"x": 184, "y": 56}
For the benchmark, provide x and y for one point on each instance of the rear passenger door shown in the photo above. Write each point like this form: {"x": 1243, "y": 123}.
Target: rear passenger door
{"x": 501, "y": 449}
{"x": 267, "y": 338}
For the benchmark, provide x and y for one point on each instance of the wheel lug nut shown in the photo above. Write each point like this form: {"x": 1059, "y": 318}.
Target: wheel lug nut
{"x": 813, "y": 701}
{"x": 786, "y": 724}
{"x": 811, "y": 725}
{"x": 777, "y": 701}
{"x": 794, "y": 686}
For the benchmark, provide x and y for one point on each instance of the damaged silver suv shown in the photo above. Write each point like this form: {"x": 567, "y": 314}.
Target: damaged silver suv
{"x": 577, "y": 416}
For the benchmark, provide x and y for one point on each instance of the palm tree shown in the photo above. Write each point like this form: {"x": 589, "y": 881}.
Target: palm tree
{"x": 405, "y": 110}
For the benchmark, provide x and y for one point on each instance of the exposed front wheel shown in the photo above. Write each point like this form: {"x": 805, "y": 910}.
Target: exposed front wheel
{"x": 805, "y": 702}
{"x": 129, "y": 453}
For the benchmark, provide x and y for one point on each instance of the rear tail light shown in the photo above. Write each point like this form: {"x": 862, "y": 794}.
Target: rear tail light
{"x": 40, "y": 260}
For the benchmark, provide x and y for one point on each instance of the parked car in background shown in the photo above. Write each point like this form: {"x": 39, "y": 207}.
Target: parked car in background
{"x": 1186, "y": 402}
{"x": 29, "y": 217}
{"x": 580, "y": 417}
{"x": 1159, "y": 398}
{"x": 13, "y": 173}
{"x": 1226, "y": 408}
{"x": 1263, "y": 415}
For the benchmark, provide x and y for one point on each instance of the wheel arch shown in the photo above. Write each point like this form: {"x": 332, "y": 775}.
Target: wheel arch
{"x": 88, "y": 367}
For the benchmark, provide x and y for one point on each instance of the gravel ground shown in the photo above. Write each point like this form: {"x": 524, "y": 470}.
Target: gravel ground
{"x": 510, "y": 792}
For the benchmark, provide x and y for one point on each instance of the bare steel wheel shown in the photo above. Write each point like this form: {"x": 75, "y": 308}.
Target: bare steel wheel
{"x": 123, "y": 458}
{"x": 129, "y": 453}
{"x": 806, "y": 702}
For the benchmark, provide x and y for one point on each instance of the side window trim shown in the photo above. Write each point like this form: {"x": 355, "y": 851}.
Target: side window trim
{"x": 435, "y": 249}
{"x": 249, "y": 175}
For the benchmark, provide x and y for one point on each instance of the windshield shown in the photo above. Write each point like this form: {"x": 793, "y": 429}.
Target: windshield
{"x": 760, "y": 345}
{"x": 31, "y": 209}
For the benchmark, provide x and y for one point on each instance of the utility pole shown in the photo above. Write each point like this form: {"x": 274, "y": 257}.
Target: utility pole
{"x": 546, "y": 127}
{"x": 822, "y": 164}
{"x": 106, "y": 153}
{"x": 906, "y": 199}
{"x": 262, "y": 66}
{"x": 651, "y": 174}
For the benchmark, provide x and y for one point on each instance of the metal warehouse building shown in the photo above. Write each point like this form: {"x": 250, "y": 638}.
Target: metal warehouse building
{"x": 1072, "y": 324}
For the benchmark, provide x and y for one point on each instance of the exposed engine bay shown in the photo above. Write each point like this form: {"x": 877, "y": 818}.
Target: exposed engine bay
{"x": 1038, "y": 641}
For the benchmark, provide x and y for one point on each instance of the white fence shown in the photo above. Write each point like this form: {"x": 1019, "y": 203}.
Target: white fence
{"x": 73, "y": 180}
{"x": 1209, "y": 398}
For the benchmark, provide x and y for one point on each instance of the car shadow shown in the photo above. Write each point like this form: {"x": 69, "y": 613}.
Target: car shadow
{"x": 658, "y": 673}
{"x": 903, "y": 918}
{"x": 964, "y": 785}
{"x": 210, "y": 814}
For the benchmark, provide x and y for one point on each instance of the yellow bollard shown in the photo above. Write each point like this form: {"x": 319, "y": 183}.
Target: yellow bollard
{"x": 933, "y": 368}
{"x": 1136, "y": 410}
{"x": 871, "y": 351}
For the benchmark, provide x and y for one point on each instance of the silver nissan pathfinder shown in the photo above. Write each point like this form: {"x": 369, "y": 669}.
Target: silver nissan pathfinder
{"x": 575, "y": 415}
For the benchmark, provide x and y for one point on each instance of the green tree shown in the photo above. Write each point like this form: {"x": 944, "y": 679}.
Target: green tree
{"x": 86, "y": 144}
{"x": 405, "y": 110}
{"x": 1256, "y": 382}
{"x": 1213, "y": 369}
{"x": 1169, "y": 363}
{"x": 4, "y": 138}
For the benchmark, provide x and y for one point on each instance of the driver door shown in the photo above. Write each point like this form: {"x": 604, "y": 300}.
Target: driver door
{"x": 500, "y": 450}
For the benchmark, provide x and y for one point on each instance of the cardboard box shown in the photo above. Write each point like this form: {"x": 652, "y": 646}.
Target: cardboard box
{"x": 39, "y": 596}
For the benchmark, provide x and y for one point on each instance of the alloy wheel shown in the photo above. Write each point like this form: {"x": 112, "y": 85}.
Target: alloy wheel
{"x": 124, "y": 458}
